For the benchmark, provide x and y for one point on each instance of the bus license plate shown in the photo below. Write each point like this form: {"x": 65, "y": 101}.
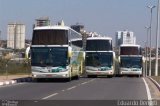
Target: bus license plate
{"x": 49, "y": 76}
{"x": 98, "y": 73}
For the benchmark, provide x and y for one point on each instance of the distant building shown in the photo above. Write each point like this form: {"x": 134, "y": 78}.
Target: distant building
{"x": 78, "y": 27}
{"x": 43, "y": 21}
{"x": 93, "y": 34}
{"x": 16, "y": 36}
{"x": 61, "y": 23}
{"x": 125, "y": 37}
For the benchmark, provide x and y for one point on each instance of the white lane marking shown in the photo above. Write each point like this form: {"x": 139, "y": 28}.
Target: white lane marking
{"x": 84, "y": 83}
{"x": 91, "y": 80}
{"x": 50, "y": 96}
{"x": 87, "y": 82}
{"x": 67, "y": 89}
{"x": 147, "y": 89}
{"x": 71, "y": 87}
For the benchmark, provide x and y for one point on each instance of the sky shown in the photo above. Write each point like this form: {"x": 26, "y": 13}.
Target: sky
{"x": 102, "y": 16}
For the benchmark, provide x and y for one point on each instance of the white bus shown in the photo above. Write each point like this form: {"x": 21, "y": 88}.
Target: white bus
{"x": 53, "y": 55}
{"x": 130, "y": 60}
{"x": 100, "y": 58}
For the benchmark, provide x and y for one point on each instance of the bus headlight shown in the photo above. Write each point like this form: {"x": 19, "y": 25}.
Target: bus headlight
{"x": 63, "y": 70}
{"x": 65, "y": 75}
{"x": 34, "y": 75}
{"x": 110, "y": 72}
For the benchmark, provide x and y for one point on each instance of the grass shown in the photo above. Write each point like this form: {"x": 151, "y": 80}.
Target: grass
{"x": 157, "y": 78}
{"x": 14, "y": 68}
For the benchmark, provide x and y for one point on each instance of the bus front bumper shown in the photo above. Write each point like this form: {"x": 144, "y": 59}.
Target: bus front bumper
{"x": 131, "y": 72}
{"x": 50, "y": 75}
{"x": 100, "y": 73}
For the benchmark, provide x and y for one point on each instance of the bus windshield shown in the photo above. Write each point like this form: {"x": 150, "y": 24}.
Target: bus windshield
{"x": 99, "y": 59}
{"x": 131, "y": 62}
{"x": 99, "y": 45}
{"x": 50, "y": 37}
{"x": 52, "y": 56}
{"x": 130, "y": 51}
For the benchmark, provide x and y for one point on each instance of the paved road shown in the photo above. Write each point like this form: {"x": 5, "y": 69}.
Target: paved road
{"x": 123, "y": 88}
{"x": 104, "y": 89}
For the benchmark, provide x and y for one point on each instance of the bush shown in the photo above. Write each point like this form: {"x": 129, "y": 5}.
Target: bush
{"x": 13, "y": 67}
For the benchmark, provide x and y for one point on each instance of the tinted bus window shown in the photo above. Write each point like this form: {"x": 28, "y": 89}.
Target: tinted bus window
{"x": 50, "y": 37}
{"x": 130, "y": 51}
{"x": 99, "y": 45}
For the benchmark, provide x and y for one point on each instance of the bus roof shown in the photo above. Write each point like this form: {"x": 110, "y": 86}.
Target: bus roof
{"x": 99, "y": 38}
{"x": 52, "y": 27}
{"x": 57, "y": 27}
{"x": 76, "y": 39}
{"x": 129, "y": 45}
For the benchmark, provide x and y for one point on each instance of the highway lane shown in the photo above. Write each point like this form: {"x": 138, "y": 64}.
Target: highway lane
{"x": 105, "y": 89}
{"x": 123, "y": 88}
{"x": 35, "y": 90}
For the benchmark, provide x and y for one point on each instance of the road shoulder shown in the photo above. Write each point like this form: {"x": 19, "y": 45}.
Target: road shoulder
{"x": 13, "y": 79}
{"x": 155, "y": 94}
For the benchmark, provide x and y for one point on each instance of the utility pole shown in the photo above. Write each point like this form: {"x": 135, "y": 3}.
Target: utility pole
{"x": 157, "y": 38}
{"x": 148, "y": 28}
{"x": 151, "y": 9}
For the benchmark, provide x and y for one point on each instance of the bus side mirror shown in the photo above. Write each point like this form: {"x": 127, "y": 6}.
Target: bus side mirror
{"x": 144, "y": 59}
{"x": 27, "y": 53}
{"x": 69, "y": 52}
{"x": 84, "y": 55}
{"x": 119, "y": 59}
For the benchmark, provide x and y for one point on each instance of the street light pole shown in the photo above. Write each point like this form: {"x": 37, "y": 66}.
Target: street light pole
{"x": 147, "y": 50}
{"x": 151, "y": 8}
{"x": 145, "y": 68}
{"x": 157, "y": 38}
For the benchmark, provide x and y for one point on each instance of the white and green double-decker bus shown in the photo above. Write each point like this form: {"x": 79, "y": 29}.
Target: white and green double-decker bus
{"x": 131, "y": 60}
{"x": 53, "y": 55}
{"x": 100, "y": 57}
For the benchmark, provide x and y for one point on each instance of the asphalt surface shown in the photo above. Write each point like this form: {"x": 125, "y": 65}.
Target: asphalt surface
{"x": 123, "y": 88}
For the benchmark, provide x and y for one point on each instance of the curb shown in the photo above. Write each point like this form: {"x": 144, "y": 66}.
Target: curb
{"x": 25, "y": 79}
{"x": 155, "y": 82}
{"x": 14, "y": 81}
{"x": 8, "y": 82}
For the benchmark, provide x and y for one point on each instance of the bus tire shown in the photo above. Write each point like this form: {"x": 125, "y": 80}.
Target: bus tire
{"x": 89, "y": 76}
{"x": 69, "y": 79}
{"x": 92, "y": 76}
{"x": 110, "y": 76}
{"x": 77, "y": 77}
{"x": 139, "y": 76}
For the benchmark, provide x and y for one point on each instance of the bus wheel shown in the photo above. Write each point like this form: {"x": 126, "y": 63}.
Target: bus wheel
{"x": 77, "y": 77}
{"x": 92, "y": 76}
{"x": 110, "y": 76}
{"x": 89, "y": 76}
{"x": 69, "y": 79}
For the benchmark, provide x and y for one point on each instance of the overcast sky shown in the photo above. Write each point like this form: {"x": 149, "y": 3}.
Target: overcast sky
{"x": 102, "y": 16}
